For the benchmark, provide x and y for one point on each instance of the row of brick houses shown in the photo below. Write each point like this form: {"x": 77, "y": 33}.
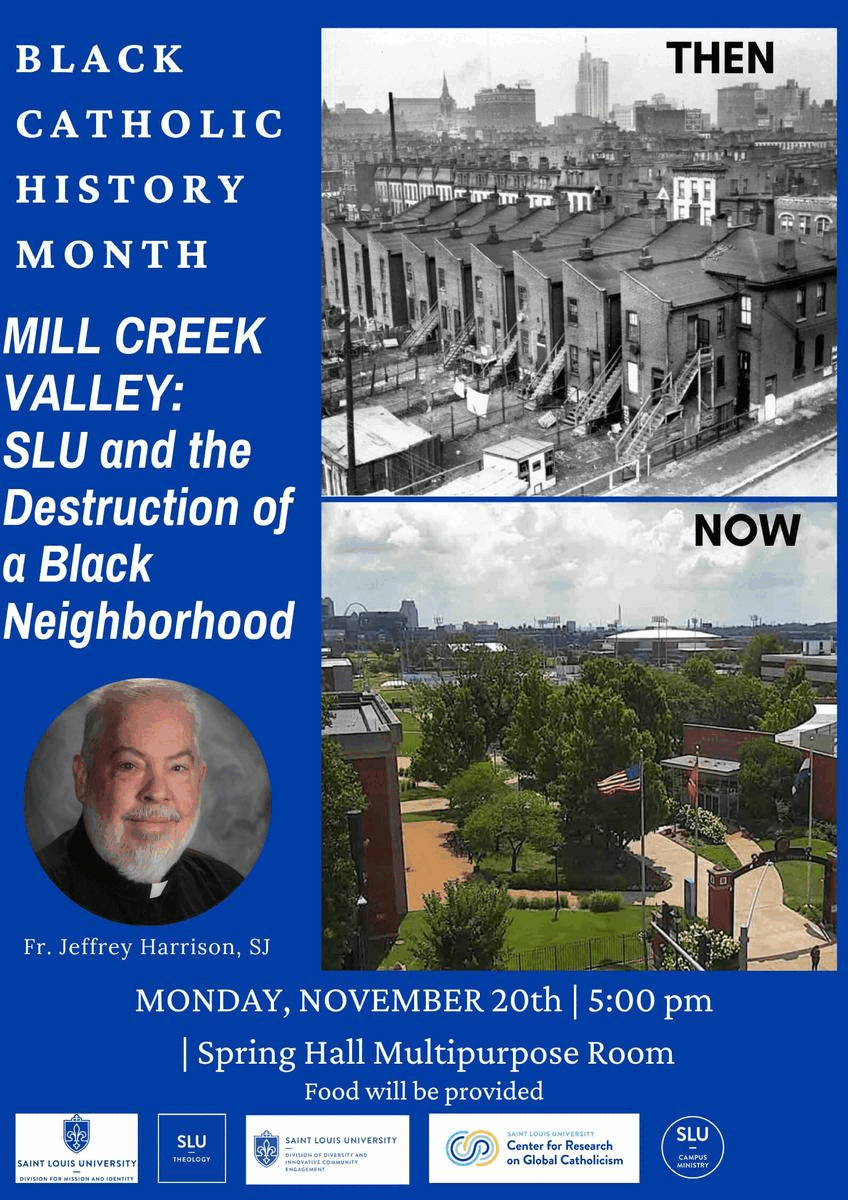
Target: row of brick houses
{"x": 635, "y": 319}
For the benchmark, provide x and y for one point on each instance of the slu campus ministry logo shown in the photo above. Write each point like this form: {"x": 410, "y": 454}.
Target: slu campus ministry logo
{"x": 266, "y": 1148}
{"x": 76, "y": 1133}
{"x": 476, "y": 1149}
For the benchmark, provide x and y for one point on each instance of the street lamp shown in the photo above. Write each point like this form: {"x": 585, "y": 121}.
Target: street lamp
{"x": 556, "y": 850}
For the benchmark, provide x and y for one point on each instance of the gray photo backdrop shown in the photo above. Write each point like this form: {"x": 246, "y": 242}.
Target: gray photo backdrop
{"x": 236, "y": 802}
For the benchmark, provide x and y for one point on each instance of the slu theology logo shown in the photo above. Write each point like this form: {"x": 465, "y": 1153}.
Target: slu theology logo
{"x": 266, "y": 1148}
{"x": 76, "y": 1133}
{"x": 476, "y": 1149}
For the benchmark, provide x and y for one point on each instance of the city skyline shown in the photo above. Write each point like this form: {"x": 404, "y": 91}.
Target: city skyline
{"x": 514, "y": 563}
{"x": 411, "y": 62}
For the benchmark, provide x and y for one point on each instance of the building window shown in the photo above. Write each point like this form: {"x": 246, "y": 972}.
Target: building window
{"x": 359, "y": 296}
{"x": 787, "y": 222}
{"x": 356, "y": 264}
{"x": 744, "y": 185}
{"x": 822, "y": 226}
{"x": 409, "y": 272}
{"x": 720, "y": 319}
{"x": 522, "y": 298}
{"x": 818, "y": 352}
{"x": 524, "y": 340}
{"x": 821, "y": 299}
{"x": 801, "y": 304}
{"x": 734, "y": 187}
{"x": 633, "y": 378}
{"x": 803, "y": 225}
{"x": 572, "y": 310}
{"x": 334, "y": 256}
{"x": 573, "y": 360}
{"x": 681, "y": 212}
{"x": 719, "y": 379}
{"x": 478, "y": 287}
{"x": 800, "y": 348}
{"x": 745, "y": 311}
{"x": 441, "y": 273}
{"x": 681, "y": 189}
{"x": 708, "y": 190}
{"x": 633, "y": 330}
{"x": 382, "y": 270}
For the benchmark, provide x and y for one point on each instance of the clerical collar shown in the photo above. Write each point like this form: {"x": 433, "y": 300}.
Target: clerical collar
{"x": 83, "y": 854}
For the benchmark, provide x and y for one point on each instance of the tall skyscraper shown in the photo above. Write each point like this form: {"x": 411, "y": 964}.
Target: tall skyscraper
{"x": 408, "y": 608}
{"x": 591, "y": 95}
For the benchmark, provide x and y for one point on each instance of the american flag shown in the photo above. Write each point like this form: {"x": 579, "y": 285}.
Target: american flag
{"x": 628, "y": 780}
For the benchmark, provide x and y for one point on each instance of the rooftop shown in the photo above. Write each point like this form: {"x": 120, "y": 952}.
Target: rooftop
{"x": 518, "y": 447}
{"x": 750, "y": 255}
{"x": 377, "y": 434}
{"x": 681, "y": 283}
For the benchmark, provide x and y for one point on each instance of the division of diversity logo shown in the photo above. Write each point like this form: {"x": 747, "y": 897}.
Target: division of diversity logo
{"x": 76, "y": 1133}
{"x": 266, "y": 1148}
{"x": 692, "y": 1147}
{"x": 476, "y": 1149}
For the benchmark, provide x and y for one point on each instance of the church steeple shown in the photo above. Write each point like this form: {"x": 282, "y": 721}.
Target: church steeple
{"x": 447, "y": 104}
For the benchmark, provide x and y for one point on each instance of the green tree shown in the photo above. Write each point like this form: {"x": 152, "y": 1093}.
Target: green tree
{"x": 765, "y": 775}
{"x": 452, "y": 734}
{"x": 760, "y": 644}
{"x": 641, "y": 689}
{"x": 522, "y": 738}
{"x": 512, "y": 817}
{"x": 738, "y": 701}
{"x": 493, "y": 679}
{"x": 341, "y": 792}
{"x": 700, "y": 671}
{"x": 465, "y": 931}
{"x": 476, "y": 785}
{"x": 784, "y": 712}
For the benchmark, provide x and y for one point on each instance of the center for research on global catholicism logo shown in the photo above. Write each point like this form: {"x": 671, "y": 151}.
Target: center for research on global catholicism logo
{"x": 692, "y": 1147}
{"x": 476, "y": 1149}
{"x": 90, "y": 1148}
{"x": 192, "y": 1148}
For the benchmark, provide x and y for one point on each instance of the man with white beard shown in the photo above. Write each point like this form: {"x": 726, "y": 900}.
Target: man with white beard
{"x": 139, "y": 777}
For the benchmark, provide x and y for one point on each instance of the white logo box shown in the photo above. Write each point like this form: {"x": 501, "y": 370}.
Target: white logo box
{"x": 330, "y": 1149}
{"x": 534, "y": 1147}
{"x": 110, "y": 1156}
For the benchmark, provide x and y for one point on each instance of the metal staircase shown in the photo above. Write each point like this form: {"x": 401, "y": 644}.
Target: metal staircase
{"x": 458, "y": 344}
{"x": 542, "y": 381}
{"x": 660, "y": 404}
{"x": 595, "y": 401}
{"x": 419, "y": 334}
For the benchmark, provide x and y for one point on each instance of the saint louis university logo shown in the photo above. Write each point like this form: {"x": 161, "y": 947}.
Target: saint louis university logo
{"x": 76, "y": 1133}
{"x": 479, "y": 1148}
{"x": 266, "y": 1148}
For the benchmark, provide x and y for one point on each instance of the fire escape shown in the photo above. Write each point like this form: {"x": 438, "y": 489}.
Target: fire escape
{"x": 420, "y": 332}
{"x": 662, "y": 402}
{"x": 593, "y": 404}
{"x": 541, "y": 382}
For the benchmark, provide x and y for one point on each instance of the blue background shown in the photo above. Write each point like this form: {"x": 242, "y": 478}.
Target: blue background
{"x": 763, "y": 1067}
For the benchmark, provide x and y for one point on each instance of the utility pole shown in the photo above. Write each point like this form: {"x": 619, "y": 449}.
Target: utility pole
{"x": 351, "y": 445}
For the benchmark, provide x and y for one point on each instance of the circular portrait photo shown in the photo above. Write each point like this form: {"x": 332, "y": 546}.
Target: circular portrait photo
{"x": 147, "y": 802}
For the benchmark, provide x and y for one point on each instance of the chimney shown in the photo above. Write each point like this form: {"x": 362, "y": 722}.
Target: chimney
{"x": 422, "y": 222}
{"x": 645, "y": 260}
{"x": 536, "y": 243}
{"x": 718, "y": 229}
{"x": 786, "y": 254}
{"x": 522, "y": 207}
{"x": 829, "y": 243}
{"x": 493, "y": 237}
{"x": 659, "y": 220}
{"x": 642, "y": 204}
{"x": 608, "y": 217}
{"x": 563, "y": 209}
{"x": 586, "y": 251}
{"x": 491, "y": 203}
{"x": 544, "y": 163}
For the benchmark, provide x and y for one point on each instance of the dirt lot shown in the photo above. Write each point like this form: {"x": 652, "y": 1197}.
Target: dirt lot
{"x": 429, "y": 862}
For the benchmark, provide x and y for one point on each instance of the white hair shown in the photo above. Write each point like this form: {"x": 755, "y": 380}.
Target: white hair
{"x": 130, "y": 691}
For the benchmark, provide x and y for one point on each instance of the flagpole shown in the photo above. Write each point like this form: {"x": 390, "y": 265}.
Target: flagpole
{"x": 642, "y": 817}
{"x": 810, "y": 830}
{"x": 697, "y": 796}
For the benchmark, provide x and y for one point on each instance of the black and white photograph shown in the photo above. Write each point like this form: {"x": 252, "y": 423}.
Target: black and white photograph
{"x": 579, "y": 262}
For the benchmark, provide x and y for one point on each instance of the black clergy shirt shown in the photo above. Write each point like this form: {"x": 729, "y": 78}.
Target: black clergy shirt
{"x": 194, "y": 883}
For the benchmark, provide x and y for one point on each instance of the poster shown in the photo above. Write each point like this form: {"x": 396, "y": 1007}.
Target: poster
{"x": 163, "y": 521}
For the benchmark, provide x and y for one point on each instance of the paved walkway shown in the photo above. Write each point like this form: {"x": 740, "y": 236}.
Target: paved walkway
{"x": 723, "y": 468}
{"x": 779, "y": 938}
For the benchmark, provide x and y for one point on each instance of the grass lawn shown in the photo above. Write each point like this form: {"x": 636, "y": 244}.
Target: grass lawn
{"x": 529, "y": 930}
{"x": 583, "y": 867}
{"x": 411, "y": 734}
{"x": 420, "y": 793}
{"x": 721, "y": 854}
{"x": 794, "y": 876}
{"x": 436, "y": 814}
{"x": 395, "y": 696}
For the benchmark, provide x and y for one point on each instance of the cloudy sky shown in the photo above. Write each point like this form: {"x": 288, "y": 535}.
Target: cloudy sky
{"x": 515, "y": 562}
{"x": 361, "y": 66}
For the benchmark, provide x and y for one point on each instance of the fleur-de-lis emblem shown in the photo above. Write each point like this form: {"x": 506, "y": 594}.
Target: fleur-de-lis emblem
{"x": 266, "y": 1148}
{"x": 76, "y": 1133}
